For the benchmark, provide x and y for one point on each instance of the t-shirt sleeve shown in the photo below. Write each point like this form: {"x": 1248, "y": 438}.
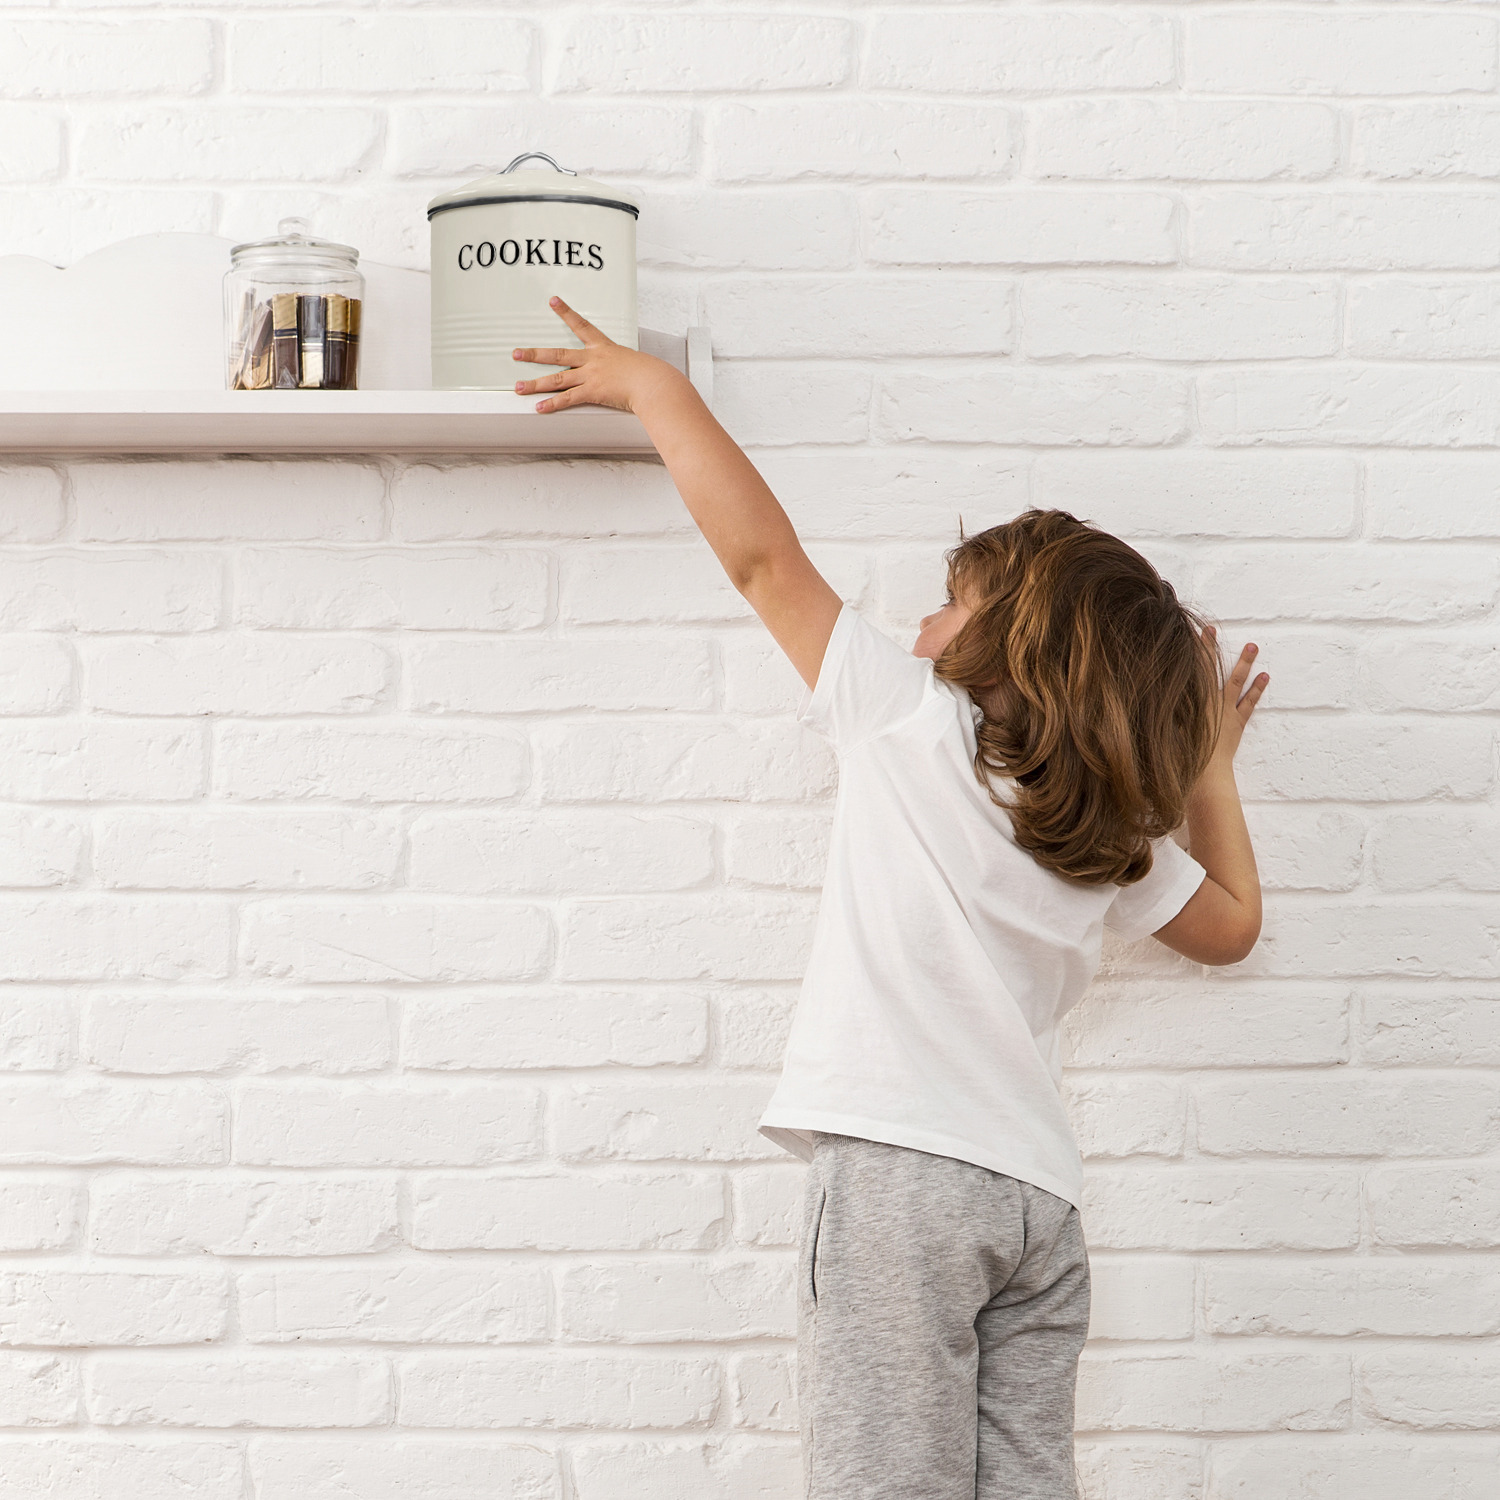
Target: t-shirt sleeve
{"x": 1151, "y": 903}
{"x": 866, "y": 684}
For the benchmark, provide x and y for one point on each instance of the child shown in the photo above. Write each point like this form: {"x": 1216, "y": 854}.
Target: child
{"x": 1005, "y": 792}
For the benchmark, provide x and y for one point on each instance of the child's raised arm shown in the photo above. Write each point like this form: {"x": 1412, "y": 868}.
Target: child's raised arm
{"x": 732, "y": 505}
{"x": 1221, "y": 922}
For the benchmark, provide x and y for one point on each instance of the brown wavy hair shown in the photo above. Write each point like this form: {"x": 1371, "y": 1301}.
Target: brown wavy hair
{"x": 1103, "y": 688}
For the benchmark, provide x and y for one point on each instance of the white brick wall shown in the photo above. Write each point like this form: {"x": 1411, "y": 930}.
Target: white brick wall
{"x": 407, "y": 866}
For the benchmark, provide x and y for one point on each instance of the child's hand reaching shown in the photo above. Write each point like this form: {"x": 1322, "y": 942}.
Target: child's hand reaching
{"x": 602, "y": 372}
{"x": 1239, "y": 701}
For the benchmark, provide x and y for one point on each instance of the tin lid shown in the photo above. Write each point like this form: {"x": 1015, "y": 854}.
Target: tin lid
{"x": 291, "y": 242}
{"x": 510, "y": 186}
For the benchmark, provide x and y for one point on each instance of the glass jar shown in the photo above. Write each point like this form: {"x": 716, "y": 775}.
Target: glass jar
{"x": 292, "y": 307}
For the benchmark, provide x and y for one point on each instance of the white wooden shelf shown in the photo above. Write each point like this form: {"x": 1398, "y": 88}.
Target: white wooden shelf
{"x": 122, "y": 353}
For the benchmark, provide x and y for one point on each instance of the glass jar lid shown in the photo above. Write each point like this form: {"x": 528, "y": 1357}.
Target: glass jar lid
{"x": 293, "y": 243}
{"x": 537, "y": 186}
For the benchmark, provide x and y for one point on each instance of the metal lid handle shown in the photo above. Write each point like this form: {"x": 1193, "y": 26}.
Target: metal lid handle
{"x": 539, "y": 156}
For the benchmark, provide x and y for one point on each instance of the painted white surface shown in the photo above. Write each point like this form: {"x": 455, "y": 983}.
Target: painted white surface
{"x": 381, "y": 837}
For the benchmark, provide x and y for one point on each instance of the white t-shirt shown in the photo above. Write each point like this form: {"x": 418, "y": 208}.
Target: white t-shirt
{"x": 944, "y": 956}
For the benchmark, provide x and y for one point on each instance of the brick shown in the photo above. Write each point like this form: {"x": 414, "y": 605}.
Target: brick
{"x": 410, "y": 939}
{"x": 116, "y": 590}
{"x": 39, "y": 848}
{"x": 33, "y": 153}
{"x": 38, "y": 1390}
{"x": 87, "y": 1467}
{"x": 386, "y": 762}
{"x": 1442, "y": 847}
{"x": 761, "y": 1388}
{"x": 236, "y": 676}
{"x": 651, "y": 761}
{"x": 1187, "y": 318}
{"x": 39, "y": 1213}
{"x": 1346, "y": 1114}
{"x": 248, "y": 1213}
{"x": 1443, "y": 1389}
{"x": 391, "y": 1468}
{"x": 1020, "y": 227}
{"x": 619, "y": 1211}
{"x": 213, "y": 1034}
{"x": 82, "y": 1121}
{"x": 1369, "y": 52}
{"x": 434, "y": 140}
{"x": 426, "y": 52}
{"x": 1401, "y": 490}
{"x": 1432, "y": 1026}
{"x": 509, "y": 676}
{"x": 738, "y": 230}
{"x": 239, "y": 1390}
{"x": 257, "y": 142}
{"x": 1035, "y": 52}
{"x": 778, "y": 141}
{"x": 894, "y": 493}
{"x": 33, "y": 500}
{"x": 1409, "y": 319}
{"x": 1214, "y": 1393}
{"x": 1364, "y": 231}
{"x": 72, "y": 1309}
{"x": 509, "y": 498}
{"x": 98, "y": 760}
{"x": 36, "y": 677}
{"x": 36, "y": 1028}
{"x": 1313, "y": 669}
{"x": 1436, "y": 1207}
{"x": 1448, "y": 139}
{"x": 1428, "y": 585}
{"x": 1443, "y": 673}
{"x": 1362, "y": 1464}
{"x": 1140, "y": 1469}
{"x": 385, "y": 1124}
{"x": 114, "y": 937}
{"x": 1118, "y": 1117}
{"x": 1250, "y": 1207}
{"x": 395, "y": 1302}
{"x": 758, "y": 678}
{"x": 73, "y": 58}
{"x": 767, "y": 1205}
{"x": 243, "y": 849}
{"x": 742, "y": 1468}
{"x": 668, "y": 1122}
{"x": 748, "y": 935}
{"x": 1304, "y": 849}
{"x": 241, "y": 499}
{"x": 784, "y": 850}
{"x": 855, "y": 317}
{"x": 1191, "y": 140}
{"x": 1140, "y": 1025}
{"x": 1138, "y": 1298}
{"x": 557, "y": 1390}
{"x": 751, "y": 1026}
{"x": 1051, "y": 407}
{"x": 397, "y": 588}
{"x": 60, "y": 223}
{"x": 1453, "y": 939}
{"x": 778, "y": 406}
{"x": 1365, "y": 1295}
{"x": 624, "y": 54}
{"x": 682, "y": 1300}
{"x": 571, "y": 1028}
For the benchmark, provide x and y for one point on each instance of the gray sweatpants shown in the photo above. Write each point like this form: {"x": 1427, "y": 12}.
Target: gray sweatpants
{"x": 941, "y": 1311}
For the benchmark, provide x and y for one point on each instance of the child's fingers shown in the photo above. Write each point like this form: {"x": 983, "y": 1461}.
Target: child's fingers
{"x": 549, "y": 356}
{"x": 578, "y": 323}
{"x": 573, "y": 397}
{"x": 1241, "y": 671}
{"x": 1246, "y": 706}
{"x": 560, "y": 381}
